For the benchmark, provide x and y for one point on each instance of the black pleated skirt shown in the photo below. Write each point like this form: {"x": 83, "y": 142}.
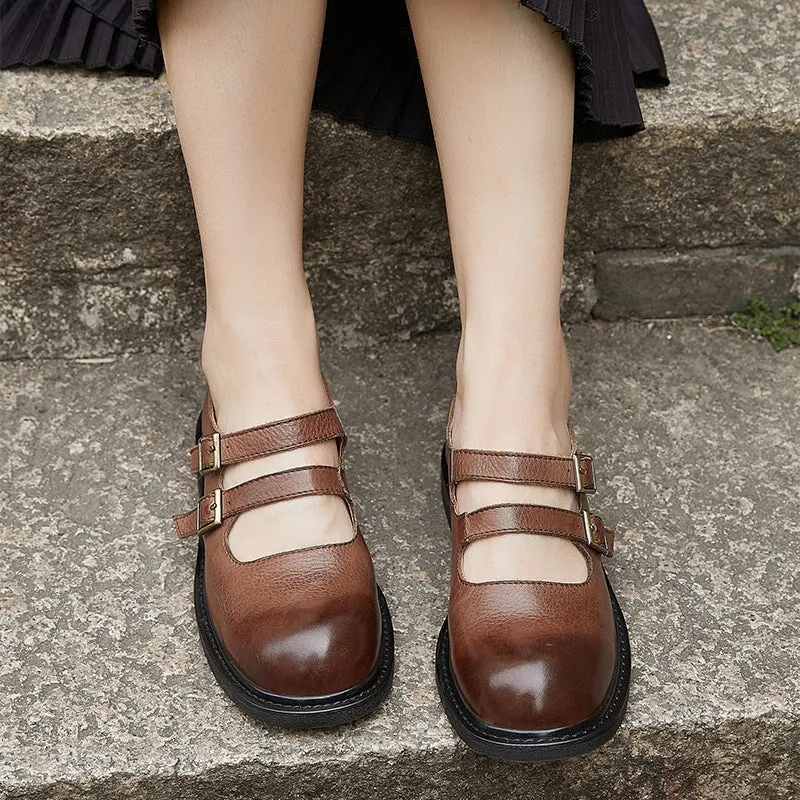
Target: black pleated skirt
{"x": 368, "y": 72}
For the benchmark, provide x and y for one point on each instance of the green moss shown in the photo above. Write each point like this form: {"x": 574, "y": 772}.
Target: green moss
{"x": 779, "y": 326}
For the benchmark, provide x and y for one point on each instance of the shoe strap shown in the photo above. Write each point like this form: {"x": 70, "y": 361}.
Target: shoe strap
{"x": 574, "y": 472}
{"x": 221, "y": 504}
{"x": 582, "y": 527}
{"x": 216, "y": 450}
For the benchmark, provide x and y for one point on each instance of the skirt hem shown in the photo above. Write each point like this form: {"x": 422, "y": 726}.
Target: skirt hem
{"x": 369, "y": 73}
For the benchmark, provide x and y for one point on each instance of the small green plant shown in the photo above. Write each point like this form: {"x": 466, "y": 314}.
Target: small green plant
{"x": 779, "y": 326}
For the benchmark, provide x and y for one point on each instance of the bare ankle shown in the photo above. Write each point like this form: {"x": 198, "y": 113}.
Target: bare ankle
{"x": 262, "y": 369}
{"x": 513, "y": 397}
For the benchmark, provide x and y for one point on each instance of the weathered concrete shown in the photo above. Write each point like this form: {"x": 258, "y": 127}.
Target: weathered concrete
{"x": 99, "y": 250}
{"x": 105, "y": 690}
{"x": 657, "y": 283}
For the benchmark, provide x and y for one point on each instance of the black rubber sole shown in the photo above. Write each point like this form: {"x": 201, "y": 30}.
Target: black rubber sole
{"x": 291, "y": 712}
{"x": 534, "y": 746}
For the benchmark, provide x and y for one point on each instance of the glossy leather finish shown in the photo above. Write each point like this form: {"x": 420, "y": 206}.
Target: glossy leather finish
{"x": 298, "y": 624}
{"x": 529, "y": 656}
{"x": 532, "y": 656}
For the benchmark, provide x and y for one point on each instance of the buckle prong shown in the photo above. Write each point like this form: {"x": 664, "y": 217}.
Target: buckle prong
{"x": 590, "y": 531}
{"x": 216, "y": 507}
{"x": 580, "y": 486}
{"x": 214, "y": 449}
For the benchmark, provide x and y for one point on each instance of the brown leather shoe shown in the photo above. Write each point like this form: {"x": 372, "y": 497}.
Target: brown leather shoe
{"x": 531, "y": 670}
{"x": 299, "y": 639}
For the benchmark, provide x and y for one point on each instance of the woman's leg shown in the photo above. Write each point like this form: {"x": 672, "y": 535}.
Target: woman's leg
{"x": 500, "y": 87}
{"x": 241, "y": 75}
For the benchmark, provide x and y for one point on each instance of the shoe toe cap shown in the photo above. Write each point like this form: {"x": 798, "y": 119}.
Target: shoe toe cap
{"x": 537, "y": 685}
{"x": 309, "y": 652}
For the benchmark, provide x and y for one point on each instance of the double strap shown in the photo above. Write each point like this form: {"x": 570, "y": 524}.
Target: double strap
{"x": 217, "y": 450}
{"x": 221, "y": 504}
{"x": 572, "y": 472}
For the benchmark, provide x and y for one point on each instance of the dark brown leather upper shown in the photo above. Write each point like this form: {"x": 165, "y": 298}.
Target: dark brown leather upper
{"x": 530, "y": 655}
{"x": 302, "y": 623}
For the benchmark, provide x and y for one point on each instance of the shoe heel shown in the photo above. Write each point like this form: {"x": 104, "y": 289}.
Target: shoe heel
{"x": 198, "y": 432}
{"x": 443, "y": 478}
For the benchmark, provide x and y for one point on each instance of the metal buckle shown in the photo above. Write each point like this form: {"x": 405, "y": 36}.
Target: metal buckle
{"x": 580, "y": 487}
{"x": 215, "y": 506}
{"x": 590, "y": 532}
{"x": 214, "y": 450}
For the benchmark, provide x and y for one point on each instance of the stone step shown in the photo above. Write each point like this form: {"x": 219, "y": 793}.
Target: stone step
{"x": 105, "y": 690}
{"x": 100, "y": 252}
